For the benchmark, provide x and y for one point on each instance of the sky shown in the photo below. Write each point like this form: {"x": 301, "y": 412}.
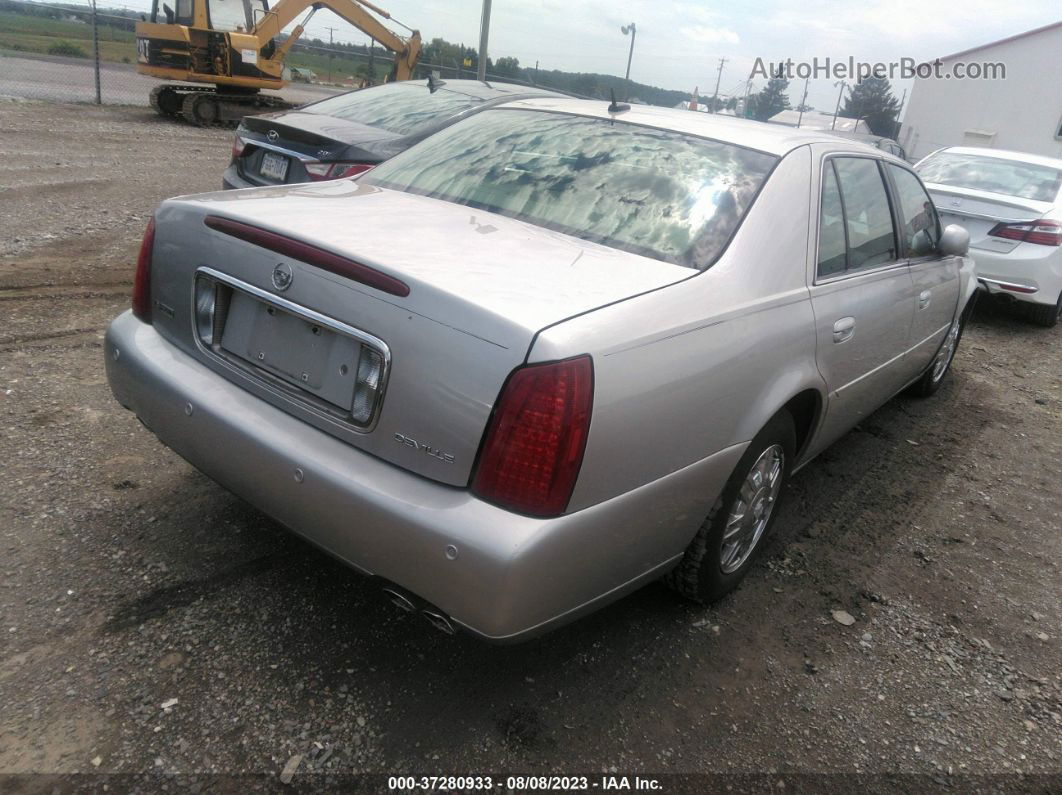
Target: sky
{"x": 679, "y": 43}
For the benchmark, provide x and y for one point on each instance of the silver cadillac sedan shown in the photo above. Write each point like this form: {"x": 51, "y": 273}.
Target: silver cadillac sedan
{"x": 550, "y": 354}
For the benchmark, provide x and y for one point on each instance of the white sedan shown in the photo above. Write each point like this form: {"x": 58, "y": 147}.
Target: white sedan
{"x": 1011, "y": 204}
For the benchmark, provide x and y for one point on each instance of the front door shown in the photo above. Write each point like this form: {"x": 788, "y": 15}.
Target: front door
{"x": 935, "y": 277}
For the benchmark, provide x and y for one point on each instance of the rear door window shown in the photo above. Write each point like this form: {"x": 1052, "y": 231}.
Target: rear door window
{"x": 868, "y": 217}
{"x": 659, "y": 193}
{"x": 920, "y": 227}
{"x": 833, "y": 245}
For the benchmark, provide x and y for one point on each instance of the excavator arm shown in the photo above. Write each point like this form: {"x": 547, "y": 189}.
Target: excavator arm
{"x": 406, "y": 50}
{"x": 240, "y": 63}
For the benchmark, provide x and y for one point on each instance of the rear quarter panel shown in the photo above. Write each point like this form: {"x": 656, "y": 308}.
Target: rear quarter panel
{"x": 697, "y": 367}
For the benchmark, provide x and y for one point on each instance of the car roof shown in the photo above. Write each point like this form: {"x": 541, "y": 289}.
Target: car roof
{"x": 775, "y": 139}
{"x": 1004, "y": 154}
{"x": 858, "y": 136}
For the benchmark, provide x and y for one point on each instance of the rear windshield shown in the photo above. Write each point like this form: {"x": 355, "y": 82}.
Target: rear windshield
{"x": 993, "y": 175}
{"x": 666, "y": 195}
{"x": 400, "y": 108}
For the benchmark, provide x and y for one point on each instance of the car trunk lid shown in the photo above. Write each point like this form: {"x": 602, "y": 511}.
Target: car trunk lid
{"x": 279, "y": 145}
{"x": 480, "y": 286}
{"x": 979, "y": 212}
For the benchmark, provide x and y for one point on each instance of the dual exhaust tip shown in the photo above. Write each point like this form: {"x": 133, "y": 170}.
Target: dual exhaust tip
{"x": 408, "y": 603}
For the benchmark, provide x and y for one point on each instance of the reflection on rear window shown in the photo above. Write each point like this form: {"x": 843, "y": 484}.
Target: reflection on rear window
{"x": 993, "y": 175}
{"x": 401, "y": 108}
{"x": 662, "y": 194}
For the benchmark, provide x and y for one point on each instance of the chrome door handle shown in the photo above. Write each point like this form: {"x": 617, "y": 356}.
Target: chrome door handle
{"x": 843, "y": 329}
{"x": 924, "y": 298}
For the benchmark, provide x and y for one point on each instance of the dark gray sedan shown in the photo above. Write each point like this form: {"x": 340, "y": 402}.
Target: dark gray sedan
{"x": 348, "y": 134}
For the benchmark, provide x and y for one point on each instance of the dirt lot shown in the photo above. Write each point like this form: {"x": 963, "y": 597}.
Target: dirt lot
{"x": 129, "y": 581}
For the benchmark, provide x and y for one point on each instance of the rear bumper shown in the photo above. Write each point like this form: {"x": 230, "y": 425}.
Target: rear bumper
{"x": 502, "y": 576}
{"x": 1029, "y": 273}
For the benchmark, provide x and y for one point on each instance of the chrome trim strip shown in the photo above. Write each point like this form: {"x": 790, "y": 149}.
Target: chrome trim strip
{"x": 1025, "y": 289}
{"x": 855, "y": 274}
{"x": 307, "y": 314}
{"x": 281, "y": 150}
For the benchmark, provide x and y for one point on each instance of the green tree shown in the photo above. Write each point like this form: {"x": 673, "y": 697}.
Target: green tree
{"x": 770, "y": 101}
{"x": 872, "y": 100}
{"x": 504, "y": 67}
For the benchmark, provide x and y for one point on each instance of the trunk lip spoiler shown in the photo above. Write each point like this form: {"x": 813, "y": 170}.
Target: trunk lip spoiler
{"x": 308, "y": 253}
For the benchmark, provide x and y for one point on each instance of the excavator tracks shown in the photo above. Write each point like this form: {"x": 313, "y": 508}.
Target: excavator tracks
{"x": 204, "y": 106}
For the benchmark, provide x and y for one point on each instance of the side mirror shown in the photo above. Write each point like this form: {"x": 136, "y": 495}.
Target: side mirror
{"x": 954, "y": 241}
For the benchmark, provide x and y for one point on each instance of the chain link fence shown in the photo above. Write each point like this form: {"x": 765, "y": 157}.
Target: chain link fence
{"x": 72, "y": 52}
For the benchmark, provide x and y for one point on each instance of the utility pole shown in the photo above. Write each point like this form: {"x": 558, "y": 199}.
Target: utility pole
{"x": 837, "y": 109}
{"x": 718, "y": 78}
{"x": 484, "y": 30}
{"x": 535, "y": 81}
{"x": 745, "y": 105}
{"x": 330, "y": 54}
{"x": 372, "y": 71}
{"x": 96, "y": 53}
{"x": 803, "y": 102}
{"x": 633, "y": 31}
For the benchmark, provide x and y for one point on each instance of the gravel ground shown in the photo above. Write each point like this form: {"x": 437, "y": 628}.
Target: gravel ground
{"x": 150, "y": 622}
{"x": 73, "y": 80}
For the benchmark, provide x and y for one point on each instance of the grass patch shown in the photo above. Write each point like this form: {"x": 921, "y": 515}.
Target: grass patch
{"x": 25, "y": 33}
{"x": 68, "y": 49}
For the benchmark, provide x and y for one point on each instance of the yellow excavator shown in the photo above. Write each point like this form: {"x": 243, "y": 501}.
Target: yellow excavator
{"x": 232, "y": 47}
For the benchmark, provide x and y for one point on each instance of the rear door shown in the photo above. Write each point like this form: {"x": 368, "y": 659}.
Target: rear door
{"x": 861, "y": 294}
{"x": 935, "y": 277}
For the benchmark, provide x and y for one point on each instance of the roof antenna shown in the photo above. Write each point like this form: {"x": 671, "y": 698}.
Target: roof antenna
{"x": 617, "y": 107}
{"x": 434, "y": 83}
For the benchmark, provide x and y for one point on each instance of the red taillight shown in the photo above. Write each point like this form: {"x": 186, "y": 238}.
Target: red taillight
{"x": 1043, "y": 233}
{"x": 142, "y": 280}
{"x": 238, "y": 145}
{"x": 534, "y": 445}
{"x": 323, "y": 171}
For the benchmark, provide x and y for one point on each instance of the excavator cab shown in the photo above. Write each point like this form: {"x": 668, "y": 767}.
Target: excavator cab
{"x": 231, "y": 15}
{"x": 234, "y": 46}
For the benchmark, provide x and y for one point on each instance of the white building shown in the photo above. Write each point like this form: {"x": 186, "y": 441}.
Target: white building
{"x": 1022, "y": 112}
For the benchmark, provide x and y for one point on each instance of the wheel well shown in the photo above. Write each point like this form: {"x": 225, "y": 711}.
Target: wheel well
{"x": 804, "y": 409}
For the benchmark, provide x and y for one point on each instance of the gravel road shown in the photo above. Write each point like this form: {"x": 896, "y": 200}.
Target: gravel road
{"x": 152, "y": 623}
{"x": 72, "y": 80}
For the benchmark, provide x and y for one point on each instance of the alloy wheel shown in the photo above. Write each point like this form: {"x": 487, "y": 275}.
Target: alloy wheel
{"x": 752, "y": 509}
{"x": 946, "y": 352}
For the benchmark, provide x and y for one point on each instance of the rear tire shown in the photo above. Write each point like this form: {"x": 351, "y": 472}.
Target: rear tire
{"x": 1046, "y": 316}
{"x": 731, "y": 537}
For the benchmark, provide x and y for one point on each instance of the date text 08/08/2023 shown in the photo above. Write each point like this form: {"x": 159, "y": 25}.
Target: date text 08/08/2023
{"x": 606, "y": 782}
